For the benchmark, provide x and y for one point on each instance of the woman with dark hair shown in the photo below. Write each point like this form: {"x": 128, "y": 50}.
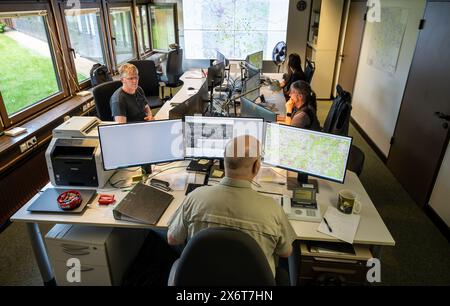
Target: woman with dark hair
{"x": 301, "y": 109}
{"x": 295, "y": 73}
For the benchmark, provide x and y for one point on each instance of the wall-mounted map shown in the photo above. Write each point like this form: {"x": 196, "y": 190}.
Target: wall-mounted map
{"x": 386, "y": 38}
{"x": 235, "y": 28}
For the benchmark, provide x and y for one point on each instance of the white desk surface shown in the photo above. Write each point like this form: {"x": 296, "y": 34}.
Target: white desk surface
{"x": 371, "y": 230}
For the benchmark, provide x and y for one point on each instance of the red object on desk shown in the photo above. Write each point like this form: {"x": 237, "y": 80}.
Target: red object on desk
{"x": 106, "y": 199}
{"x": 69, "y": 200}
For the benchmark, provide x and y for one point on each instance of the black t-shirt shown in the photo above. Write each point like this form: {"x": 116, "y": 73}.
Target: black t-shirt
{"x": 130, "y": 106}
{"x": 295, "y": 76}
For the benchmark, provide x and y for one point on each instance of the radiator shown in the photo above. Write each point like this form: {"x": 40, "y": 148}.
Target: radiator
{"x": 19, "y": 184}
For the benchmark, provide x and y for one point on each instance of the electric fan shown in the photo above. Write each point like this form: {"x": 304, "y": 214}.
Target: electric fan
{"x": 279, "y": 54}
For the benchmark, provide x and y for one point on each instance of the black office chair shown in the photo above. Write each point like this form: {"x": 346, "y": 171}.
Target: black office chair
{"x": 356, "y": 159}
{"x": 149, "y": 81}
{"x": 102, "y": 95}
{"x": 338, "y": 118}
{"x": 174, "y": 70}
{"x": 309, "y": 70}
{"x": 221, "y": 257}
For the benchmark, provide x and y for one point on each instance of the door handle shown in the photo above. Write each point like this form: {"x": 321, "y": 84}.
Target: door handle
{"x": 442, "y": 116}
{"x": 73, "y": 52}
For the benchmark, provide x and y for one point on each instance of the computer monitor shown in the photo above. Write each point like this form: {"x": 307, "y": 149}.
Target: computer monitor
{"x": 193, "y": 105}
{"x": 206, "y": 137}
{"x": 251, "y": 109}
{"x": 216, "y": 74}
{"x": 307, "y": 152}
{"x": 142, "y": 143}
{"x": 255, "y": 59}
{"x": 222, "y": 59}
{"x": 250, "y": 90}
{"x": 252, "y": 71}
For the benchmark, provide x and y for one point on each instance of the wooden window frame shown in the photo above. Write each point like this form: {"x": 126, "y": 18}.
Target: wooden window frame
{"x": 175, "y": 23}
{"x": 147, "y": 49}
{"x": 68, "y": 54}
{"x": 107, "y": 6}
{"x": 37, "y": 106}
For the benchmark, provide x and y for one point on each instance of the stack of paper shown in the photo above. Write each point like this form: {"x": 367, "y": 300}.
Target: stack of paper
{"x": 343, "y": 226}
{"x": 269, "y": 175}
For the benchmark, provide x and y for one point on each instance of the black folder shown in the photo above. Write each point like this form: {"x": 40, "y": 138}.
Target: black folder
{"x": 143, "y": 204}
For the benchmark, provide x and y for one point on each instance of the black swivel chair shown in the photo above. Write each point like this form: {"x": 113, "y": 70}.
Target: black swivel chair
{"x": 174, "y": 69}
{"x": 356, "y": 159}
{"x": 148, "y": 81}
{"x": 102, "y": 95}
{"x": 309, "y": 70}
{"x": 221, "y": 257}
{"x": 338, "y": 118}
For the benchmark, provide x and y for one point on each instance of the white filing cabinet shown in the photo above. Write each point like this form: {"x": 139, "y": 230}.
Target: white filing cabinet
{"x": 104, "y": 252}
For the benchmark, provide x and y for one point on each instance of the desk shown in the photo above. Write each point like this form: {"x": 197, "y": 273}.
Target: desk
{"x": 275, "y": 97}
{"x": 371, "y": 231}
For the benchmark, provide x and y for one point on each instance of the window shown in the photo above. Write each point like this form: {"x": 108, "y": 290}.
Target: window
{"x": 121, "y": 27}
{"x": 142, "y": 29}
{"x": 163, "y": 17}
{"x": 145, "y": 27}
{"x": 86, "y": 39}
{"x": 235, "y": 28}
{"x": 139, "y": 32}
{"x": 29, "y": 78}
{"x": 48, "y": 48}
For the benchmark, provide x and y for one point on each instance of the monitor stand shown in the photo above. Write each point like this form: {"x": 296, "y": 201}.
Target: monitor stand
{"x": 301, "y": 181}
{"x": 147, "y": 169}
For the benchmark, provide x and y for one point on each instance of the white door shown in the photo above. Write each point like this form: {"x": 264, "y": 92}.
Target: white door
{"x": 440, "y": 198}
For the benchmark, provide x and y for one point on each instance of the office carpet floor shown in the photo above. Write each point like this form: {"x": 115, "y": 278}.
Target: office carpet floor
{"x": 420, "y": 257}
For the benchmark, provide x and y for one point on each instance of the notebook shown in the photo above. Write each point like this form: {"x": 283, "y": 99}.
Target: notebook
{"x": 343, "y": 226}
{"x": 143, "y": 204}
{"x": 47, "y": 201}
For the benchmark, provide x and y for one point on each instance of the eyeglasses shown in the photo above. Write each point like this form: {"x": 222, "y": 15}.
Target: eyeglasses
{"x": 132, "y": 78}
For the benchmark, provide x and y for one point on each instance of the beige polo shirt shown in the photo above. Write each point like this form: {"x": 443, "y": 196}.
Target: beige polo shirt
{"x": 233, "y": 203}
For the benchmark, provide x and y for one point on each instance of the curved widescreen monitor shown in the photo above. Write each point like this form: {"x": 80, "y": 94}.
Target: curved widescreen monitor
{"x": 314, "y": 153}
{"x": 251, "y": 109}
{"x": 206, "y": 137}
{"x": 134, "y": 144}
{"x": 251, "y": 88}
{"x": 195, "y": 104}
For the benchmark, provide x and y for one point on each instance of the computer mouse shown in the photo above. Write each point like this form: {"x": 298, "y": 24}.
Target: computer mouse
{"x": 191, "y": 88}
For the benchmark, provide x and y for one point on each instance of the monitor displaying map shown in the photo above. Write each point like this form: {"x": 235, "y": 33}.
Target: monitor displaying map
{"x": 314, "y": 153}
{"x": 236, "y": 28}
{"x": 206, "y": 137}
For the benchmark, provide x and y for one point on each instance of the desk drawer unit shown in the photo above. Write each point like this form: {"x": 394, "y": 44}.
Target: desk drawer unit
{"x": 333, "y": 269}
{"x": 90, "y": 275}
{"x": 104, "y": 253}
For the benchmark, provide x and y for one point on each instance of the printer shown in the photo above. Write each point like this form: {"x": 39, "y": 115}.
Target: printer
{"x": 74, "y": 157}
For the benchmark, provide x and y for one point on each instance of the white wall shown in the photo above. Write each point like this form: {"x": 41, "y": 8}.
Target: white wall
{"x": 377, "y": 94}
{"x": 295, "y": 38}
{"x": 297, "y": 31}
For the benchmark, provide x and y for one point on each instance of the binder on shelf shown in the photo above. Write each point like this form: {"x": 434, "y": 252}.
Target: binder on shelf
{"x": 143, "y": 204}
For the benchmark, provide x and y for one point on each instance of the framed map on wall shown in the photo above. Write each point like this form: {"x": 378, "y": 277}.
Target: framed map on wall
{"x": 385, "y": 38}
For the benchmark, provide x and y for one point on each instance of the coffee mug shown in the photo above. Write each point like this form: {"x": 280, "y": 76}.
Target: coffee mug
{"x": 347, "y": 202}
